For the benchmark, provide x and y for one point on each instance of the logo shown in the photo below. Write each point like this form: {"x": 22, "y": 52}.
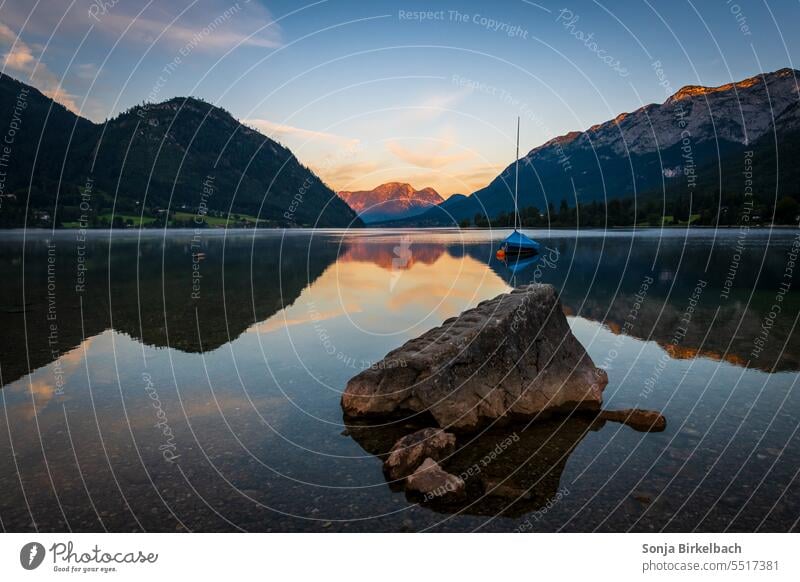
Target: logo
{"x": 31, "y": 555}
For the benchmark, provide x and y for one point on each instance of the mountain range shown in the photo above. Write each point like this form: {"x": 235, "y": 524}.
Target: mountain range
{"x": 698, "y": 142}
{"x": 181, "y": 155}
{"x": 393, "y": 200}
{"x": 693, "y": 155}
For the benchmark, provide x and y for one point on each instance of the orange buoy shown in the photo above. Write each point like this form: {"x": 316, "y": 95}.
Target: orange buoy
{"x": 500, "y": 254}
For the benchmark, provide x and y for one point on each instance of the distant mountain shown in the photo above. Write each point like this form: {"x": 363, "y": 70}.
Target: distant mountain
{"x": 393, "y": 200}
{"x": 674, "y": 146}
{"x": 439, "y": 215}
{"x": 183, "y": 155}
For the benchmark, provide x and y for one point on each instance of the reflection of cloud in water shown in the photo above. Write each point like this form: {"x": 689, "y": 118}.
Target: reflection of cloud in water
{"x": 445, "y": 287}
{"x": 448, "y": 286}
{"x": 441, "y": 288}
{"x": 43, "y": 383}
{"x": 299, "y": 314}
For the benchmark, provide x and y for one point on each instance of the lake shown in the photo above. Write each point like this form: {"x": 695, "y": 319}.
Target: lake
{"x": 181, "y": 380}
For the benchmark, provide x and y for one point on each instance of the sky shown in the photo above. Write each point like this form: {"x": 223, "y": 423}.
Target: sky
{"x": 367, "y": 92}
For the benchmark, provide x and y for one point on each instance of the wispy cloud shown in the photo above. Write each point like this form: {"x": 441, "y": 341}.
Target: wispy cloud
{"x": 436, "y": 155}
{"x": 221, "y": 24}
{"x": 434, "y": 106}
{"x": 19, "y": 57}
{"x": 479, "y": 176}
{"x": 282, "y": 131}
{"x": 218, "y": 28}
{"x": 347, "y": 175}
{"x": 333, "y": 157}
{"x": 86, "y": 71}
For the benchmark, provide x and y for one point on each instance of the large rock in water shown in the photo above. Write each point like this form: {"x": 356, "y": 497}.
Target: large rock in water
{"x": 513, "y": 355}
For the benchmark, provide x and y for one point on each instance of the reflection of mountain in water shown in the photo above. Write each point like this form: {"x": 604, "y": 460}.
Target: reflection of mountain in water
{"x": 401, "y": 254}
{"x": 600, "y": 279}
{"x": 511, "y": 471}
{"x": 236, "y": 282}
{"x": 144, "y": 288}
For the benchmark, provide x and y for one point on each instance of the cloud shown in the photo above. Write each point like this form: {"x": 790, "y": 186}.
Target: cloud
{"x": 19, "y": 58}
{"x": 216, "y": 34}
{"x": 291, "y": 316}
{"x": 332, "y": 157}
{"x": 434, "y": 106}
{"x": 210, "y": 26}
{"x": 87, "y": 71}
{"x": 283, "y": 130}
{"x": 42, "y": 383}
{"x": 483, "y": 174}
{"x": 7, "y": 36}
{"x": 216, "y": 24}
{"x": 343, "y": 176}
{"x": 431, "y": 156}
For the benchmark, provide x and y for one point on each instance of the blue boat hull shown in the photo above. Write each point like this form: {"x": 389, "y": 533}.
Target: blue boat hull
{"x": 517, "y": 244}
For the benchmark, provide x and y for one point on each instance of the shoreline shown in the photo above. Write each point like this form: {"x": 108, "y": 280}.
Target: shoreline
{"x": 397, "y": 228}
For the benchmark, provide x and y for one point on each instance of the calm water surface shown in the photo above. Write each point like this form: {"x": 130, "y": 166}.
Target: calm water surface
{"x": 156, "y": 381}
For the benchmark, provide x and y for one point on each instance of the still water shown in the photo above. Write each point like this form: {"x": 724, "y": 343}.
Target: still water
{"x": 172, "y": 381}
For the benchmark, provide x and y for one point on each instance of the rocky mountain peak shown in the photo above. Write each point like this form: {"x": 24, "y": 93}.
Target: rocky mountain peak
{"x": 734, "y": 112}
{"x": 391, "y": 200}
{"x": 674, "y": 144}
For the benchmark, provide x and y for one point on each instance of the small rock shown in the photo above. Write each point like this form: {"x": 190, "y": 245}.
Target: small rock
{"x": 637, "y": 419}
{"x": 435, "y": 483}
{"x": 408, "y": 453}
{"x": 645, "y": 498}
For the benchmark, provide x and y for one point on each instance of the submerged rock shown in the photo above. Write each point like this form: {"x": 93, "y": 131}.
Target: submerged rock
{"x": 511, "y": 356}
{"x": 508, "y": 471}
{"x": 433, "y": 482}
{"x": 408, "y": 453}
{"x": 636, "y": 418}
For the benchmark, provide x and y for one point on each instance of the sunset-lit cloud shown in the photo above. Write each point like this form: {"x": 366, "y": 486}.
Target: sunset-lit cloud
{"x": 479, "y": 176}
{"x": 334, "y": 158}
{"x": 19, "y": 58}
{"x": 429, "y": 155}
{"x": 283, "y": 131}
{"x": 41, "y": 385}
{"x": 295, "y": 315}
{"x": 343, "y": 176}
{"x": 209, "y": 26}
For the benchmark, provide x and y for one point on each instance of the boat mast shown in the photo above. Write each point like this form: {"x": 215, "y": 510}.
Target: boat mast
{"x": 516, "y": 181}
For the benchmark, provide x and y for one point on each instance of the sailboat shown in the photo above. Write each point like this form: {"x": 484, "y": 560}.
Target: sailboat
{"x": 517, "y": 244}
